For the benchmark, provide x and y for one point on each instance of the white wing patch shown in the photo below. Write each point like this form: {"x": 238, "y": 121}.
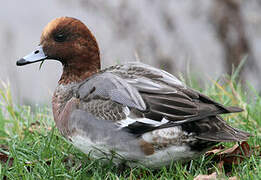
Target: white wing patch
{"x": 126, "y": 122}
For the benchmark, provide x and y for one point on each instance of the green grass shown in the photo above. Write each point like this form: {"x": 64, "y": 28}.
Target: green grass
{"x": 36, "y": 150}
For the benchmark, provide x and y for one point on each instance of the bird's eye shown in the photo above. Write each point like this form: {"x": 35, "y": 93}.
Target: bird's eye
{"x": 59, "y": 37}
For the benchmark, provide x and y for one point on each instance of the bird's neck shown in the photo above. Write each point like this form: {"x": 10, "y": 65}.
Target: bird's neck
{"x": 76, "y": 70}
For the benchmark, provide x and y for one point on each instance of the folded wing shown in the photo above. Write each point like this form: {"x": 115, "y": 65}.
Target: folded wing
{"x": 140, "y": 98}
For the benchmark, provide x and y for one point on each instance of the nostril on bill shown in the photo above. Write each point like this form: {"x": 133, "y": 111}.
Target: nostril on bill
{"x": 36, "y": 52}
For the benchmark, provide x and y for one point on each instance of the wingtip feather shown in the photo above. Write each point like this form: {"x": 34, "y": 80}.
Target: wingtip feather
{"x": 233, "y": 109}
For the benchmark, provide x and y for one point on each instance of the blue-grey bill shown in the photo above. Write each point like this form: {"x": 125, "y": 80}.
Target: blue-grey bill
{"x": 35, "y": 56}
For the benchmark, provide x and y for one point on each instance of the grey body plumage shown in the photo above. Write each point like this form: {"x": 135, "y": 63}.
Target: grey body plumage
{"x": 156, "y": 102}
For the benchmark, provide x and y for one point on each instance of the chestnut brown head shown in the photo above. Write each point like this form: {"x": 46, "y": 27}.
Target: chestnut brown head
{"x": 69, "y": 41}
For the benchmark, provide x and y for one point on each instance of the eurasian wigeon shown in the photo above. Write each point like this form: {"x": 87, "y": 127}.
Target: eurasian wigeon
{"x": 132, "y": 111}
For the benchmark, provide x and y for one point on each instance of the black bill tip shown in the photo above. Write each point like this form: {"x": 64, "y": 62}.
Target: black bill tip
{"x": 21, "y": 62}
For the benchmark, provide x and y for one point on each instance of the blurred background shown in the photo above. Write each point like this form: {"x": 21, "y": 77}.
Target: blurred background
{"x": 206, "y": 37}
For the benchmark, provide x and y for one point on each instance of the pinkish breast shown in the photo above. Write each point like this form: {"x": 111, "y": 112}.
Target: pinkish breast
{"x": 62, "y": 95}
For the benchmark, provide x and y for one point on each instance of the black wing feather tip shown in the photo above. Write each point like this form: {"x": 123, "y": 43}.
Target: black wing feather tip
{"x": 224, "y": 136}
{"x": 233, "y": 109}
{"x": 219, "y": 131}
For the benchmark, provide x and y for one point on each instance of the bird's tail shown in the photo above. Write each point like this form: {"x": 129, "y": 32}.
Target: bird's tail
{"x": 214, "y": 128}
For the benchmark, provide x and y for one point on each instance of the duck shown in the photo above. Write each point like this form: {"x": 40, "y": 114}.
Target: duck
{"x": 129, "y": 112}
